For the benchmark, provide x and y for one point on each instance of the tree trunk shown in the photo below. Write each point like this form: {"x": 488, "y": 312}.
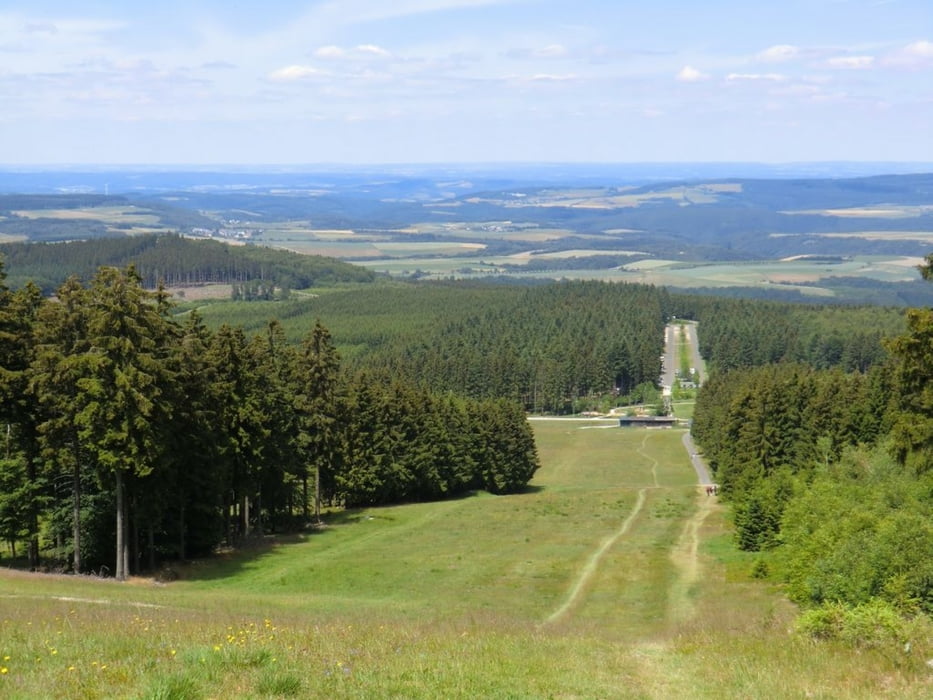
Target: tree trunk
{"x": 317, "y": 493}
{"x": 304, "y": 497}
{"x": 76, "y": 515}
{"x": 228, "y": 525}
{"x": 33, "y": 516}
{"x": 122, "y": 549}
{"x": 135, "y": 556}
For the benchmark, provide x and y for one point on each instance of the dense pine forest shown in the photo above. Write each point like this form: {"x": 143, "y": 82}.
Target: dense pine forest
{"x": 549, "y": 347}
{"x": 740, "y": 333}
{"x": 175, "y": 261}
{"x": 127, "y": 427}
{"x": 555, "y": 348}
{"x": 823, "y": 443}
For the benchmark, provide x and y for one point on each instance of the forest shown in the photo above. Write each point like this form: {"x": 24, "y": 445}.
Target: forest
{"x": 173, "y": 260}
{"x": 825, "y": 450}
{"x": 133, "y": 437}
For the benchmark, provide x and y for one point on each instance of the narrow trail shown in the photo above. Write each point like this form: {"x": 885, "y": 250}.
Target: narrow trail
{"x": 90, "y": 601}
{"x": 591, "y": 565}
{"x": 586, "y": 573}
{"x": 685, "y": 557}
{"x": 699, "y": 466}
{"x": 654, "y": 462}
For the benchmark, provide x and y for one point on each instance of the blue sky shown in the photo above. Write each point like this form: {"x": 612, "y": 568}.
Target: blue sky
{"x": 409, "y": 81}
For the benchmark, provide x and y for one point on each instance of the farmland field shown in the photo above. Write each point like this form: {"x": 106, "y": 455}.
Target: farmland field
{"x": 789, "y": 274}
{"x": 611, "y": 576}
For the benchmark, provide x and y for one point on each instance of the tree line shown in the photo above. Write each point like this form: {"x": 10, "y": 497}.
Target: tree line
{"x": 132, "y": 436}
{"x": 830, "y": 469}
{"x": 552, "y": 347}
{"x": 742, "y": 333}
{"x": 174, "y": 261}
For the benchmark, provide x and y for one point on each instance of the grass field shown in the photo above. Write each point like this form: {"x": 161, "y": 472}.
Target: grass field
{"x": 613, "y": 576}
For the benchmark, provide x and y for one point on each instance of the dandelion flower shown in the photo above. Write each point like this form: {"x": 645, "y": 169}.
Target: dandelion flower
{"x": 4, "y": 670}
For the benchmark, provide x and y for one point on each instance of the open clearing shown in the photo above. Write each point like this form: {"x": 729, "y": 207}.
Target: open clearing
{"x": 798, "y": 274}
{"x": 451, "y": 600}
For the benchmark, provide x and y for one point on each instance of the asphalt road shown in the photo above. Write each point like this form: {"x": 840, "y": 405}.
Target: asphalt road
{"x": 668, "y": 373}
{"x": 699, "y": 465}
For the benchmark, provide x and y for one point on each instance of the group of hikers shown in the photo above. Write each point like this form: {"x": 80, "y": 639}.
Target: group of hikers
{"x": 712, "y": 489}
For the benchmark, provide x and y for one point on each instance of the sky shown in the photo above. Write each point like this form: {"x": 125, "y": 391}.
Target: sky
{"x": 471, "y": 81}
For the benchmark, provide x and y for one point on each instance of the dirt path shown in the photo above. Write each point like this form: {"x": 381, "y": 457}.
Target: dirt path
{"x": 591, "y": 565}
{"x": 654, "y": 462}
{"x": 89, "y": 601}
{"x": 589, "y": 568}
{"x": 686, "y": 560}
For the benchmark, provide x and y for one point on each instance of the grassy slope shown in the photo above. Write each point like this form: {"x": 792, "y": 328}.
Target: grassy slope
{"x": 456, "y": 599}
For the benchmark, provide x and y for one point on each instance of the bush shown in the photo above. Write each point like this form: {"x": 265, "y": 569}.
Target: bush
{"x": 760, "y": 569}
{"x": 875, "y": 624}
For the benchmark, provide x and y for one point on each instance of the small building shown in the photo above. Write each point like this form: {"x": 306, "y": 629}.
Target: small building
{"x": 648, "y": 421}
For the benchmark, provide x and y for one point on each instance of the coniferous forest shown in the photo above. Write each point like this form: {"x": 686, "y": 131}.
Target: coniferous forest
{"x": 132, "y": 437}
{"x": 173, "y": 260}
{"x": 828, "y": 464}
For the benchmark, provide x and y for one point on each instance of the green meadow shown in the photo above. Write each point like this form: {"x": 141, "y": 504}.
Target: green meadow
{"x": 612, "y": 576}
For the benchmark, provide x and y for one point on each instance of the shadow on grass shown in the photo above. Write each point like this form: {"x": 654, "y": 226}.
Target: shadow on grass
{"x": 249, "y": 552}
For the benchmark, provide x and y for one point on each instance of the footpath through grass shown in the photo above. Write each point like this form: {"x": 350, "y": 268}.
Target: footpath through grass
{"x": 611, "y": 577}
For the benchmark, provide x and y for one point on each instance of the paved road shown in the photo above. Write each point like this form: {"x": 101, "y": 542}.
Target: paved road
{"x": 699, "y": 465}
{"x": 690, "y": 328}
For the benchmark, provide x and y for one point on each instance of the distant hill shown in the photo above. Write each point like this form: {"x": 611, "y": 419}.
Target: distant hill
{"x": 70, "y": 217}
{"x": 583, "y": 221}
{"x": 176, "y": 260}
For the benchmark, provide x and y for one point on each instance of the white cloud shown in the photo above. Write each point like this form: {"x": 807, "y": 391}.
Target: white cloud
{"x": 914, "y": 56}
{"x": 920, "y": 49}
{"x": 551, "y": 77}
{"x": 689, "y": 74}
{"x": 551, "y": 51}
{"x": 851, "y": 62}
{"x": 774, "y": 77}
{"x": 329, "y": 52}
{"x": 362, "y": 51}
{"x": 290, "y": 74}
{"x": 779, "y": 53}
{"x": 541, "y": 78}
{"x": 373, "y": 50}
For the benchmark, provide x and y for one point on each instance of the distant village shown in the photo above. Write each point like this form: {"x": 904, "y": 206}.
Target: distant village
{"x": 231, "y": 231}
